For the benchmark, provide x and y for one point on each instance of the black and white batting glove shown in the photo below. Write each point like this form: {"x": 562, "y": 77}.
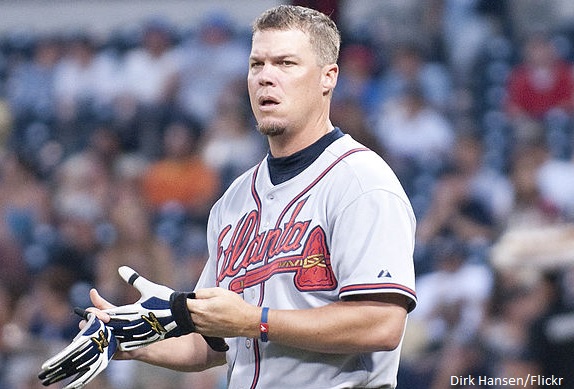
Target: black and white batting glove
{"x": 86, "y": 357}
{"x": 160, "y": 313}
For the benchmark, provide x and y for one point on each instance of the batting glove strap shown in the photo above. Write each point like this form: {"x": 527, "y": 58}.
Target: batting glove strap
{"x": 185, "y": 324}
{"x": 180, "y": 313}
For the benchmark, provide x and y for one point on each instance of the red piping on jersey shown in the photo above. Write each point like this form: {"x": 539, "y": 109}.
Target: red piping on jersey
{"x": 389, "y": 286}
{"x": 256, "y": 350}
{"x": 315, "y": 181}
{"x": 257, "y": 353}
{"x": 257, "y": 200}
{"x": 296, "y": 198}
{"x": 257, "y": 221}
{"x": 256, "y": 197}
{"x": 352, "y": 288}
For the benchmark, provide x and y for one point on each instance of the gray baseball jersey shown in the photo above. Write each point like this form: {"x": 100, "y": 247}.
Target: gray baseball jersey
{"x": 340, "y": 227}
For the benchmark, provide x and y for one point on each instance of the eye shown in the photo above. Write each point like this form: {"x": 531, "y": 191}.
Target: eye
{"x": 287, "y": 62}
{"x": 255, "y": 64}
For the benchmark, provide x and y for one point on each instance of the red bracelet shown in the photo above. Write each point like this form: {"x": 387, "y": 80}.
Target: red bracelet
{"x": 264, "y": 326}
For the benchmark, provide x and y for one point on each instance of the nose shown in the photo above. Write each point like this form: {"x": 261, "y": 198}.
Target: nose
{"x": 266, "y": 76}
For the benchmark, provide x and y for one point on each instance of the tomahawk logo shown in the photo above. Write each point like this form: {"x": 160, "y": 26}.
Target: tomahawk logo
{"x": 311, "y": 265}
{"x": 311, "y": 268}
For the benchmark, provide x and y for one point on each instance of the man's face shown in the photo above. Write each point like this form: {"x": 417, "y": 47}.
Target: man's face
{"x": 284, "y": 81}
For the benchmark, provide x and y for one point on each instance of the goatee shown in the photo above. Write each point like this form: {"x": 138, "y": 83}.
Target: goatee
{"x": 271, "y": 129}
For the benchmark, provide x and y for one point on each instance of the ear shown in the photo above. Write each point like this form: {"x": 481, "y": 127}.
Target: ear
{"x": 329, "y": 78}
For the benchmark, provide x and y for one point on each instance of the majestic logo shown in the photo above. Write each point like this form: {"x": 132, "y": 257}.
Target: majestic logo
{"x": 385, "y": 273}
{"x": 247, "y": 246}
{"x": 101, "y": 341}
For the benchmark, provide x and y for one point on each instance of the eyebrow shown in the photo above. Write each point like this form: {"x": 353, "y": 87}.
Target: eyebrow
{"x": 278, "y": 57}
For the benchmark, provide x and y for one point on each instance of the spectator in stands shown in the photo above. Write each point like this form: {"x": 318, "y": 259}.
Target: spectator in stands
{"x": 85, "y": 87}
{"x": 148, "y": 86}
{"x": 541, "y": 82}
{"x": 556, "y": 185}
{"x": 463, "y": 28}
{"x": 357, "y": 80}
{"x": 45, "y": 309}
{"x": 7, "y": 300}
{"x": 104, "y": 144}
{"x": 455, "y": 294}
{"x": 181, "y": 177}
{"x": 83, "y": 175}
{"x": 529, "y": 207}
{"x": 412, "y": 131}
{"x": 551, "y": 339}
{"x": 232, "y": 145}
{"x": 30, "y": 87}
{"x": 512, "y": 310}
{"x": 81, "y": 200}
{"x": 409, "y": 66}
{"x": 24, "y": 198}
{"x": 42, "y": 321}
{"x": 453, "y": 301}
{"x": 467, "y": 200}
{"x": 134, "y": 245}
{"x": 25, "y": 207}
{"x": 350, "y": 114}
{"x": 209, "y": 60}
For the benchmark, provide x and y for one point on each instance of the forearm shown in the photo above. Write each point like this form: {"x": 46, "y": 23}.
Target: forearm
{"x": 361, "y": 326}
{"x": 187, "y": 353}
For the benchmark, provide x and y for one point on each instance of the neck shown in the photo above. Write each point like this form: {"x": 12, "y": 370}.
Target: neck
{"x": 292, "y": 141}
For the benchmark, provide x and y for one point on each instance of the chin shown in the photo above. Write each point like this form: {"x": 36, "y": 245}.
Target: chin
{"x": 271, "y": 128}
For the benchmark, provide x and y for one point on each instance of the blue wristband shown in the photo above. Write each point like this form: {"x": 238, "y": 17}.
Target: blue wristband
{"x": 264, "y": 326}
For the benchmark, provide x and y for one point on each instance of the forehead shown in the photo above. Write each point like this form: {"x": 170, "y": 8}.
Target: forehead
{"x": 274, "y": 42}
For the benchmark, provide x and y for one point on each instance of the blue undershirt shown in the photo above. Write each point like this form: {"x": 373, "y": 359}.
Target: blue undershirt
{"x": 282, "y": 169}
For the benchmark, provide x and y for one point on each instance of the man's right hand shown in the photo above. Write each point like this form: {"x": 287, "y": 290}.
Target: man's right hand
{"x": 86, "y": 357}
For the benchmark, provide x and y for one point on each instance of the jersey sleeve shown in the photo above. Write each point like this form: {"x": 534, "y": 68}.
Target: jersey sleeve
{"x": 208, "y": 277}
{"x": 372, "y": 246}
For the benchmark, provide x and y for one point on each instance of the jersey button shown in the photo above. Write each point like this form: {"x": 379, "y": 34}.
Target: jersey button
{"x": 271, "y": 197}
{"x": 248, "y": 343}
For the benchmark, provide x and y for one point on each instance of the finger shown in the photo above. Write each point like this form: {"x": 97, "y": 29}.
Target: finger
{"x": 98, "y": 301}
{"x": 103, "y": 316}
{"x": 143, "y": 285}
{"x": 128, "y": 274}
{"x": 133, "y": 278}
{"x": 99, "y": 304}
{"x": 208, "y": 293}
{"x": 81, "y": 312}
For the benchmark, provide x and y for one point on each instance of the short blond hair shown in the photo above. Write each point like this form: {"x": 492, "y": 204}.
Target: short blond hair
{"x": 323, "y": 33}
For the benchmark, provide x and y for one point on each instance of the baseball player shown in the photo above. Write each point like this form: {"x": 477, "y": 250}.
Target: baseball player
{"x": 310, "y": 273}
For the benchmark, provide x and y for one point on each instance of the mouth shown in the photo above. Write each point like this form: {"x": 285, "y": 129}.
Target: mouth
{"x": 268, "y": 101}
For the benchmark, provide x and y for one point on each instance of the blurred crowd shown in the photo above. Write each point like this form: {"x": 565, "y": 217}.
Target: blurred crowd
{"x": 113, "y": 151}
